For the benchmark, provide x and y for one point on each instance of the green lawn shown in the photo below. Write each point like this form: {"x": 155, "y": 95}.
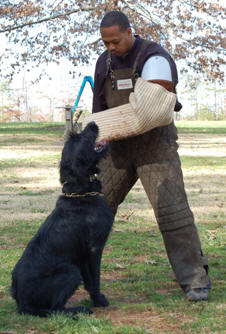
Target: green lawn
{"x": 136, "y": 276}
{"x": 209, "y": 127}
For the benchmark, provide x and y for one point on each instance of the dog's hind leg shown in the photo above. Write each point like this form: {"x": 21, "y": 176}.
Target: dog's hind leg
{"x": 50, "y": 293}
{"x": 67, "y": 283}
{"x": 90, "y": 271}
{"x": 63, "y": 284}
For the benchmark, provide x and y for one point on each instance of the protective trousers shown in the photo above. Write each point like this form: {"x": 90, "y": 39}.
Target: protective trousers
{"x": 153, "y": 158}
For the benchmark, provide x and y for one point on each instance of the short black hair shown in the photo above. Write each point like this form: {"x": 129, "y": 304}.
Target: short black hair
{"x": 115, "y": 17}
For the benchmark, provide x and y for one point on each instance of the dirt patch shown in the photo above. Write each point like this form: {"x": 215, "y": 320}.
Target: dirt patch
{"x": 150, "y": 319}
{"x": 79, "y": 296}
{"x": 202, "y": 145}
{"x": 112, "y": 276}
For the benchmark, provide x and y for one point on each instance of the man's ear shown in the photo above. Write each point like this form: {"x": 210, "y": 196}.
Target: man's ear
{"x": 129, "y": 31}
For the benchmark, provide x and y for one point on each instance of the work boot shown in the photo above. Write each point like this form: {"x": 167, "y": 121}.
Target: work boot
{"x": 197, "y": 294}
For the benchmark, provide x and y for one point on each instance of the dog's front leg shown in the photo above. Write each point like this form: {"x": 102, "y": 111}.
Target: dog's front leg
{"x": 91, "y": 276}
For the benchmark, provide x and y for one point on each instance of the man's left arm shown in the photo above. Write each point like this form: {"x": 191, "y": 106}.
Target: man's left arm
{"x": 157, "y": 70}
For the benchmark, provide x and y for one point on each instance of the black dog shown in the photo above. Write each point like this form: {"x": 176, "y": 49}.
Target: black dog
{"x": 68, "y": 246}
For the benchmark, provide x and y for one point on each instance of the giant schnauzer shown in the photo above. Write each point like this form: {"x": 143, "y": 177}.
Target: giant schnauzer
{"x": 67, "y": 248}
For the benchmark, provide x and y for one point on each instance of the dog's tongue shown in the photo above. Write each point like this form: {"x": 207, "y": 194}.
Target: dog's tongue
{"x": 100, "y": 143}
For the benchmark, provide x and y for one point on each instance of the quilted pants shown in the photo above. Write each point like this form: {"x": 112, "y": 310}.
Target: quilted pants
{"x": 153, "y": 158}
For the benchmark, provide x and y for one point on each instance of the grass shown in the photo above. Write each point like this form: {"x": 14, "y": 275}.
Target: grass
{"x": 205, "y": 127}
{"x": 136, "y": 276}
{"x": 50, "y": 129}
{"x": 199, "y": 161}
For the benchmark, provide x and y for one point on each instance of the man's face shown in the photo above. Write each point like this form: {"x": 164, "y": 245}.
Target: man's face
{"x": 116, "y": 41}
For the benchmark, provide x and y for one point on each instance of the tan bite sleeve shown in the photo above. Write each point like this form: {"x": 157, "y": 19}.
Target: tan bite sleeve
{"x": 150, "y": 106}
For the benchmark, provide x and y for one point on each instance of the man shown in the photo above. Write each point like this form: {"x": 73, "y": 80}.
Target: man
{"x": 151, "y": 156}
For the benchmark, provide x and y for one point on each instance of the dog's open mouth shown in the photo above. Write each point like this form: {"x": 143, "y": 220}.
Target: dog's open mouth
{"x": 99, "y": 145}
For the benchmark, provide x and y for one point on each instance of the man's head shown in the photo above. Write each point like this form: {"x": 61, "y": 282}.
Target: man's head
{"x": 116, "y": 33}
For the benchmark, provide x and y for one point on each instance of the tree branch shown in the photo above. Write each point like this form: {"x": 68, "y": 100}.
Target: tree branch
{"x": 8, "y": 29}
{"x": 94, "y": 42}
{"x": 144, "y": 12}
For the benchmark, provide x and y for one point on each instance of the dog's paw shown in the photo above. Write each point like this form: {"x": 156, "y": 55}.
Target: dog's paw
{"x": 100, "y": 300}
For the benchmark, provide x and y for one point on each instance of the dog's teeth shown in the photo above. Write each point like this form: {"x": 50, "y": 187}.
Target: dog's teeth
{"x": 99, "y": 145}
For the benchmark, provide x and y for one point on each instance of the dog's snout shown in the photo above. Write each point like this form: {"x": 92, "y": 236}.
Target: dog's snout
{"x": 92, "y": 126}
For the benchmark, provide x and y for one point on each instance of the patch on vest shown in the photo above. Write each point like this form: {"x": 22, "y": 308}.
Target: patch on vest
{"x": 124, "y": 84}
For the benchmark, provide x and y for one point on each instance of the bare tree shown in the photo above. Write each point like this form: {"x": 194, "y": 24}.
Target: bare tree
{"x": 41, "y": 31}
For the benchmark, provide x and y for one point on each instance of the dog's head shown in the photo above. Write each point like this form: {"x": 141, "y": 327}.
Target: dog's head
{"x": 81, "y": 154}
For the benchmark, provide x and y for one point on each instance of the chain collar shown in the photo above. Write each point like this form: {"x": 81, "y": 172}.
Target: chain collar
{"x": 93, "y": 193}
